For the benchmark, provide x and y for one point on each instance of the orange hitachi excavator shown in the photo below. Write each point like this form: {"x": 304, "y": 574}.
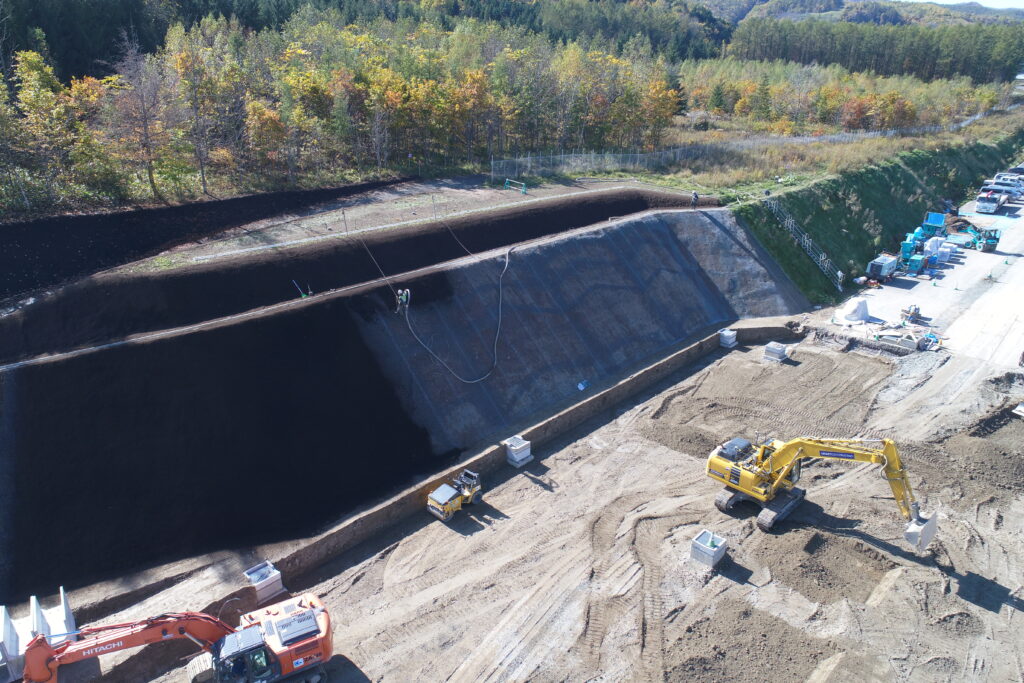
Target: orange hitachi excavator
{"x": 290, "y": 640}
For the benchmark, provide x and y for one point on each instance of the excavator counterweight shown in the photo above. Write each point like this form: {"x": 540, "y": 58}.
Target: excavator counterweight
{"x": 767, "y": 474}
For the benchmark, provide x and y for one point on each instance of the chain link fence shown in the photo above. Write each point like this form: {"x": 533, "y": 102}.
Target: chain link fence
{"x": 584, "y": 162}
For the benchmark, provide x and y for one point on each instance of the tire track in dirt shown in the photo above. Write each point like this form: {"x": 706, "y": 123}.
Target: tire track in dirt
{"x": 649, "y": 535}
{"x": 626, "y": 542}
{"x": 521, "y": 628}
{"x": 602, "y": 610}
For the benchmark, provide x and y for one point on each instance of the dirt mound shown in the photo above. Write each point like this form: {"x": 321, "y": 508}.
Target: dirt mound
{"x": 736, "y": 642}
{"x": 989, "y": 455}
{"x": 46, "y": 252}
{"x": 822, "y": 566}
{"x": 991, "y": 424}
{"x": 960, "y": 624}
{"x": 756, "y": 394}
{"x": 1008, "y": 383}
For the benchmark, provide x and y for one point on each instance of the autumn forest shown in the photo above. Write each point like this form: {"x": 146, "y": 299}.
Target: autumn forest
{"x": 198, "y": 99}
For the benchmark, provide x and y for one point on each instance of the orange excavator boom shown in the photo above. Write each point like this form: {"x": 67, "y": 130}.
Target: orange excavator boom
{"x": 42, "y": 660}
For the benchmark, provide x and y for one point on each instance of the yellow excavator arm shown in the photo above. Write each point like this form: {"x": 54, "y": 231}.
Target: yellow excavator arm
{"x": 768, "y": 473}
{"x": 783, "y": 456}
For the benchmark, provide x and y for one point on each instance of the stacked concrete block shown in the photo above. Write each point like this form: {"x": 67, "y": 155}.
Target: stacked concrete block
{"x": 56, "y": 623}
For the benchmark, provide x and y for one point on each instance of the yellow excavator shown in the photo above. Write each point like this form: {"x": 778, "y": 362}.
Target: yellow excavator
{"x": 767, "y": 474}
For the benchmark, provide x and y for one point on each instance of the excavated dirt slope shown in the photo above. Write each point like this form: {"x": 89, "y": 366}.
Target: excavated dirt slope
{"x": 48, "y": 251}
{"x": 113, "y": 305}
{"x": 568, "y": 315}
{"x": 223, "y": 436}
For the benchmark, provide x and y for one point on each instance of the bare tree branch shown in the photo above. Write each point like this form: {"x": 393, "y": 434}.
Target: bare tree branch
{"x": 137, "y": 117}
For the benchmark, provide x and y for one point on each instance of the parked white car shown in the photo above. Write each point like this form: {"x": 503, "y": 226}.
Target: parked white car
{"x": 990, "y": 202}
{"x": 1010, "y": 177}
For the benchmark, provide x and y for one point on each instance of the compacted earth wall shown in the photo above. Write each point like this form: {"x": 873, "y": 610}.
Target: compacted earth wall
{"x": 574, "y": 311}
{"x": 274, "y": 425}
{"x": 110, "y": 306}
{"x": 49, "y": 251}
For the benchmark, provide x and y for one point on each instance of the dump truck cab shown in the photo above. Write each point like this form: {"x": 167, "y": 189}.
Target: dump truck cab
{"x": 447, "y": 499}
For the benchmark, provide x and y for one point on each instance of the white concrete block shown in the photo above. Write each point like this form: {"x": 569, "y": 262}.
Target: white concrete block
{"x": 517, "y": 451}
{"x": 774, "y": 351}
{"x": 708, "y": 548}
{"x": 266, "y": 579}
{"x": 727, "y": 338}
{"x": 57, "y": 623}
{"x": 10, "y": 668}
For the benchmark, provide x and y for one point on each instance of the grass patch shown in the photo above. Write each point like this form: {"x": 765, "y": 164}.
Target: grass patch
{"x": 857, "y": 214}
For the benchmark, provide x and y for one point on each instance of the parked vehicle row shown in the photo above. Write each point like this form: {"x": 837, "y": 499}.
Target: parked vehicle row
{"x": 1004, "y": 188}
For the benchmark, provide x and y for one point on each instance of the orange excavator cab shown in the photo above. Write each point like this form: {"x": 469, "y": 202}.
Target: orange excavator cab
{"x": 271, "y": 644}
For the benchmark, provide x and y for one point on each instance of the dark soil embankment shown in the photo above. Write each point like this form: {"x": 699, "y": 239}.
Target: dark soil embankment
{"x": 48, "y": 251}
{"x": 267, "y": 427}
{"x": 243, "y": 433}
{"x": 577, "y": 311}
{"x": 112, "y": 306}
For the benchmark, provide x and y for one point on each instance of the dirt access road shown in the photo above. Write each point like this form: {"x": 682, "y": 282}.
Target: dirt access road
{"x": 576, "y": 567}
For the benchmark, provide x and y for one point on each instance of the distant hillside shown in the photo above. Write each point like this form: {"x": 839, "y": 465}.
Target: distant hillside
{"x": 864, "y": 11}
{"x": 730, "y": 10}
{"x": 82, "y": 37}
{"x": 985, "y": 52}
{"x": 791, "y": 9}
{"x": 964, "y": 13}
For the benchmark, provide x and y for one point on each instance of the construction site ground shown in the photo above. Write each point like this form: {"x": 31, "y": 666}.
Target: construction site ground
{"x": 972, "y": 302}
{"x": 577, "y": 567}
